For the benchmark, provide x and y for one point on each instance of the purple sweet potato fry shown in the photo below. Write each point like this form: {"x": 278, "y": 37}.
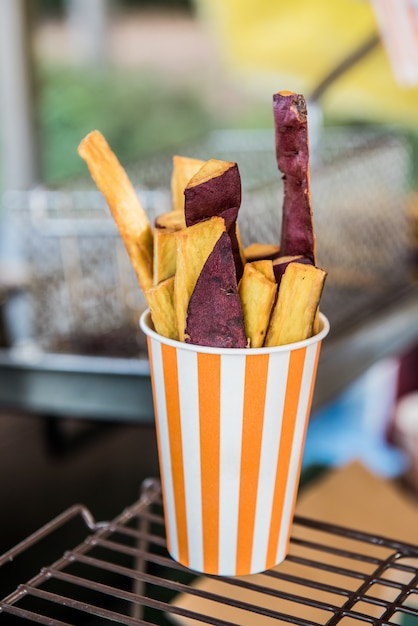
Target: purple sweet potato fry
{"x": 216, "y": 190}
{"x": 292, "y": 154}
{"x": 280, "y": 264}
{"x": 214, "y": 316}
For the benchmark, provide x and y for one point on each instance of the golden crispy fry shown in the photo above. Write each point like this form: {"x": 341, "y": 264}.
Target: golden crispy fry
{"x": 257, "y": 251}
{"x": 280, "y": 264}
{"x": 172, "y": 219}
{"x": 297, "y": 304}
{"x": 240, "y": 245}
{"x": 209, "y": 170}
{"x": 265, "y": 266}
{"x": 128, "y": 213}
{"x": 166, "y": 226}
{"x": 257, "y": 293}
{"x": 194, "y": 244}
{"x": 183, "y": 170}
{"x": 160, "y": 302}
{"x": 164, "y": 254}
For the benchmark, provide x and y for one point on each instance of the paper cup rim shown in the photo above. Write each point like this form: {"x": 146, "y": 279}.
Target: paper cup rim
{"x": 145, "y": 321}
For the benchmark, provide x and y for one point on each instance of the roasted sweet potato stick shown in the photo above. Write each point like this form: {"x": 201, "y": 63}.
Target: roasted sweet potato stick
{"x": 214, "y": 316}
{"x": 172, "y": 219}
{"x": 194, "y": 244}
{"x": 257, "y": 293}
{"x": 160, "y": 300}
{"x": 166, "y": 227}
{"x": 265, "y": 266}
{"x": 280, "y": 264}
{"x": 164, "y": 254}
{"x": 127, "y": 211}
{"x": 216, "y": 190}
{"x": 297, "y": 304}
{"x": 183, "y": 170}
{"x": 292, "y": 154}
{"x": 259, "y": 251}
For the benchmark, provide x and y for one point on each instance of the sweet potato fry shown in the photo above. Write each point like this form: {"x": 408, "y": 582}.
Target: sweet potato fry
{"x": 258, "y": 251}
{"x": 216, "y": 190}
{"x": 265, "y": 266}
{"x": 257, "y": 293}
{"x": 194, "y": 244}
{"x": 164, "y": 254}
{"x": 297, "y": 303}
{"x": 166, "y": 226}
{"x": 214, "y": 315}
{"x": 292, "y": 154}
{"x": 183, "y": 170}
{"x": 280, "y": 264}
{"x": 127, "y": 211}
{"x": 172, "y": 219}
{"x": 160, "y": 300}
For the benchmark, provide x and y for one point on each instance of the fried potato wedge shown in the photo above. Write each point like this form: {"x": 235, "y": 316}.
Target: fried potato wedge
{"x": 257, "y": 290}
{"x": 127, "y": 211}
{"x": 183, "y": 170}
{"x": 194, "y": 244}
{"x": 160, "y": 300}
{"x": 214, "y": 315}
{"x": 297, "y": 303}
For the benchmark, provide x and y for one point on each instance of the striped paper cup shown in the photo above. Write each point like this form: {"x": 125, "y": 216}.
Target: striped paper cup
{"x": 231, "y": 427}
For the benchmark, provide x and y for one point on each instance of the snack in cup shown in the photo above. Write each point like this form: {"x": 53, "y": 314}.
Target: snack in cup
{"x": 234, "y": 335}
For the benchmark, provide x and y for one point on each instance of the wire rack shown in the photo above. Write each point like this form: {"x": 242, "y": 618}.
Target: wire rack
{"x": 121, "y": 573}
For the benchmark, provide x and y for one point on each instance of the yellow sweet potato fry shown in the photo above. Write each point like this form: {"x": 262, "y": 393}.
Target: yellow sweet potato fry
{"x": 264, "y": 266}
{"x": 127, "y": 211}
{"x": 294, "y": 314}
{"x": 213, "y": 168}
{"x": 172, "y": 219}
{"x": 241, "y": 249}
{"x": 160, "y": 300}
{"x": 166, "y": 226}
{"x": 164, "y": 254}
{"x": 257, "y": 293}
{"x": 194, "y": 244}
{"x": 184, "y": 168}
{"x": 215, "y": 190}
{"x": 280, "y": 264}
{"x": 257, "y": 251}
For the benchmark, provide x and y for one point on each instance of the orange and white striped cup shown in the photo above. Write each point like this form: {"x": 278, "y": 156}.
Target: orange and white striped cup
{"x": 231, "y": 427}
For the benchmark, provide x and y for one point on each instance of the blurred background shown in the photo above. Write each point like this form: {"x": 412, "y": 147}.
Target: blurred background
{"x": 195, "y": 77}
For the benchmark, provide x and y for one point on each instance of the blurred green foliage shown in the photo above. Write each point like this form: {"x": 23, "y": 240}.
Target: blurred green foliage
{"x": 138, "y": 114}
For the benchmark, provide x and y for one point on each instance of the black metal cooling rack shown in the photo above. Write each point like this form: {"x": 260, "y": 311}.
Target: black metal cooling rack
{"x": 121, "y": 573}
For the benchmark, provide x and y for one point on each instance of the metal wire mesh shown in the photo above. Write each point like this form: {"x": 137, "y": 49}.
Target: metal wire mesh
{"x": 122, "y": 574}
{"x": 81, "y": 285}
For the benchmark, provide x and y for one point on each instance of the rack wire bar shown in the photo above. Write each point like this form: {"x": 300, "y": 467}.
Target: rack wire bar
{"x": 121, "y": 573}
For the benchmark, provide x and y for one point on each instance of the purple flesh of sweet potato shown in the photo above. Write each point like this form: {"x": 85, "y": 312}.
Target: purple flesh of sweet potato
{"x": 292, "y": 154}
{"x": 219, "y": 195}
{"x": 214, "y": 316}
{"x": 279, "y": 266}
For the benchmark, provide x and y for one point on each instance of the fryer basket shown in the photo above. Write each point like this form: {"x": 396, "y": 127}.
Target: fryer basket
{"x": 82, "y": 295}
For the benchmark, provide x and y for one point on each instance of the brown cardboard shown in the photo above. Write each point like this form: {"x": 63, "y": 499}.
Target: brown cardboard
{"x": 350, "y": 497}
